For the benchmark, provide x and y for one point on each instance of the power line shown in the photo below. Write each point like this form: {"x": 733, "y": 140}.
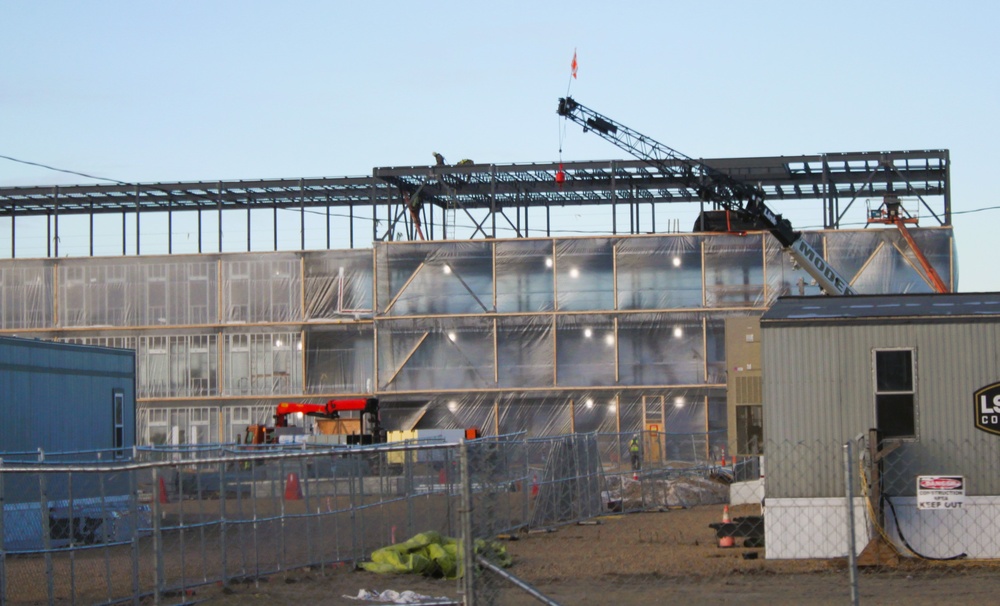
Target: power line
{"x": 974, "y": 210}
{"x": 63, "y": 170}
{"x": 116, "y": 181}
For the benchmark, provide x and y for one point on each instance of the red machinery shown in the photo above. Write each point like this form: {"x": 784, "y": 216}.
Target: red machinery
{"x": 891, "y": 212}
{"x": 368, "y": 407}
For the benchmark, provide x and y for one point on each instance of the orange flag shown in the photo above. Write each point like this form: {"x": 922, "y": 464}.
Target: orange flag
{"x": 573, "y": 64}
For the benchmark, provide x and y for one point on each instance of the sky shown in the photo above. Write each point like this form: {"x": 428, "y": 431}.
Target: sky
{"x": 218, "y": 90}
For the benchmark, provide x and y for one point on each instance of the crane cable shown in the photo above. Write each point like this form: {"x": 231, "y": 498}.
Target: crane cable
{"x": 562, "y": 123}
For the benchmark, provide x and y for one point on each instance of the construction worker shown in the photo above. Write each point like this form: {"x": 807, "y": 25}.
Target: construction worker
{"x": 633, "y": 450}
{"x": 415, "y": 204}
{"x": 438, "y": 159}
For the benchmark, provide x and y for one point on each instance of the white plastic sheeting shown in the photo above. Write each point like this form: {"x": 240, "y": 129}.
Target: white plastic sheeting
{"x": 547, "y": 336}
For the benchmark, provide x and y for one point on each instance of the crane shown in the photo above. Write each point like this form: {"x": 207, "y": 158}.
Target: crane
{"x": 891, "y": 212}
{"x": 737, "y": 198}
{"x": 368, "y": 407}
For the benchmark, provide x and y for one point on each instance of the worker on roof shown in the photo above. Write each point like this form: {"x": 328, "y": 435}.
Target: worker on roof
{"x": 439, "y": 159}
{"x": 633, "y": 451}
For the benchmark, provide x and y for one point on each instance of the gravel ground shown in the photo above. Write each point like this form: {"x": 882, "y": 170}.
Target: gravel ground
{"x": 646, "y": 558}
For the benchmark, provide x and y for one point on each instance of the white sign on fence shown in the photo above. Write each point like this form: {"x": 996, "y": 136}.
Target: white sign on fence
{"x": 940, "y": 492}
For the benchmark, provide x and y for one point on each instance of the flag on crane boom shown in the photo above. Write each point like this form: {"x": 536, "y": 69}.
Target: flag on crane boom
{"x": 574, "y": 64}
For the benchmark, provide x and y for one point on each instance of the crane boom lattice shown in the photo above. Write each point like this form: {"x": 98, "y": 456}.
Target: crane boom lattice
{"x": 712, "y": 186}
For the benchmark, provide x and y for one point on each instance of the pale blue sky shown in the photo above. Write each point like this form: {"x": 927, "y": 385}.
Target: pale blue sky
{"x": 164, "y": 91}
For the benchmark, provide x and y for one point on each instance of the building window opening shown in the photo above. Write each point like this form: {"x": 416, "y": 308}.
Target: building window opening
{"x": 118, "y": 414}
{"x": 895, "y": 398}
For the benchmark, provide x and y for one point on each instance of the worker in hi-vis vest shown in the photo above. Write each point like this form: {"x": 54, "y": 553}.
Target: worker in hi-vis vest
{"x": 633, "y": 451}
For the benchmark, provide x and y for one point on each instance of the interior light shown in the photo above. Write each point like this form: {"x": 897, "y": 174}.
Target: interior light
{"x": 609, "y": 339}
{"x": 612, "y": 406}
{"x": 452, "y": 336}
{"x": 588, "y": 332}
{"x": 278, "y": 343}
{"x": 452, "y": 405}
{"x": 447, "y": 268}
{"x": 679, "y": 402}
{"x": 678, "y": 332}
{"x": 548, "y": 262}
{"x": 574, "y": 273}
{"x": 589, "y": 403}
{"x": 298, "y": 346}
{"x": 677, "y": 261}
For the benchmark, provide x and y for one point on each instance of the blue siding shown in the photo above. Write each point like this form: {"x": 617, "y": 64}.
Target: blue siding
{"x": 59, "y": 397}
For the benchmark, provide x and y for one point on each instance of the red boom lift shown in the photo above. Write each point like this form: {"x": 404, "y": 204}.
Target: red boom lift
{"x": 368, "y": 407}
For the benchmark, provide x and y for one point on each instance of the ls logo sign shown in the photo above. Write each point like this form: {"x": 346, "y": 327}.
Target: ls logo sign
{"x": 987, "y": 408}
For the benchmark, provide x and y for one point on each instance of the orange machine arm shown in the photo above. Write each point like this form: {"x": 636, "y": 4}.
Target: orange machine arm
{"x": 932, "y": 274}
{"x": 330, "y": 410}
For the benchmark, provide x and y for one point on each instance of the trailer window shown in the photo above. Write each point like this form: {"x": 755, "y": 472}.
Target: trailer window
{"x": 895, "y": 396}
{"x": 118, "y": 416}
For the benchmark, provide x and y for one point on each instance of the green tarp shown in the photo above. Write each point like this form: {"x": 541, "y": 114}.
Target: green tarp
{"x": 431, "y": 554}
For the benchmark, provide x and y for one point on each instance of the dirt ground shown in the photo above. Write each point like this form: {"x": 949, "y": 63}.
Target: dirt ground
{"x": 646, "y": 558}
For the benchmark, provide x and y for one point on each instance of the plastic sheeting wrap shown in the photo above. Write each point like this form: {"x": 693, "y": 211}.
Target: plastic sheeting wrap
{"x": 261, "y": 288}
{"x": 524, "y": 276}
{"x": 433, "y": 279}
{"x": 553, "y": 413}
{"x": 340, "y": 359}
{"x": 435, "y": 354}
{"x": 26, "y": 295}
{"x": 734, "y": 270}
{"x": 525, "y": 351}
{"x": 144, "y": 291}
{"x": 659, "y": 273}
{"x": 543, "y": 335}
{"x": 177, "y": 365}
{"x": 585, "y": 348}
{"x": 881, "y": 261}
{"x": 338, "y": 284}
{"x": 784, "y": 277}
{"x": 585, "y": 276}
{"x": 262, "y": 363}
{"x": 661, "y": 349}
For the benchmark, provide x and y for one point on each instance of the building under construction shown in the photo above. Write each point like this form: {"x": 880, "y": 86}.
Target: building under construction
{"x": 443, "y": 291}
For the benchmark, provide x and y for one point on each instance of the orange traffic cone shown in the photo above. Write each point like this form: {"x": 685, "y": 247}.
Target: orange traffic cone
{"x": 534, "y": 485}
{"x": 293, "y": 492}
{"x": 162, "y": 497}
{"x": 726, "y": 540}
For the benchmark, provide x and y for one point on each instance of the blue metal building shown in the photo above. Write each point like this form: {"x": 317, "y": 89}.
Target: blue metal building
{"x": 65, "y": 398}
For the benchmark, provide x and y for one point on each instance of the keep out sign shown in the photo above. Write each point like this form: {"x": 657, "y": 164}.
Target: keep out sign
{"x": 987, "y": 408}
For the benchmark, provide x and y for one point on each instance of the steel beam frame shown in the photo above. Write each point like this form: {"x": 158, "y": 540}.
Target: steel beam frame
{"x": 484, "y": 192}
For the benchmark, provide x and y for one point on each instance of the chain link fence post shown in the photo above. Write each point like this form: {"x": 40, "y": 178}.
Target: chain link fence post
{"x": 159, "y": 494}
{"x": 43, "y": 510}
{"x": 105, "y": 533}
{"x": 133, "y": 497}
{"x": 852, "y": 557}
{"x": 3, "y": 549}
{"x": 468, "y": 541}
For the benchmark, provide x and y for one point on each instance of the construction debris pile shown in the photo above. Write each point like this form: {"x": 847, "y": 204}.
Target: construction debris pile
{"x": 652, "y": 493}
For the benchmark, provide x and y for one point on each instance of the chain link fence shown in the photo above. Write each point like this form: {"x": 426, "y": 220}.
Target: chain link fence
{"x": 168, "y": 521}
{"x": 160, "y": 523}
{"x": 102, "y": 528}
{"x": 926, "y": 508}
